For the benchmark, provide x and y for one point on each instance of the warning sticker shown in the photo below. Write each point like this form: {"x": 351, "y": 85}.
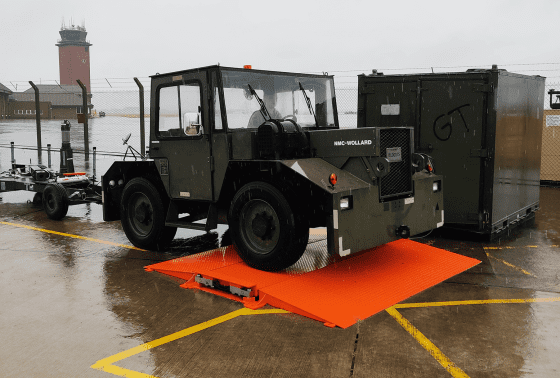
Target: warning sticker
{"x": 390, "y": 109}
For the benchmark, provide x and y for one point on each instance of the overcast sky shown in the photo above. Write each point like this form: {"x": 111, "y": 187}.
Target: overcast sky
{"x": 344, "y": 38}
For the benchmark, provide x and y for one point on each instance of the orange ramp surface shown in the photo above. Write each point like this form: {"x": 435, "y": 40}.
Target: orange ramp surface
{"x": 339, "y": 294}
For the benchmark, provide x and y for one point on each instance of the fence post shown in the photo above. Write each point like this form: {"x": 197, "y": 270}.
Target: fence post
{"x": 142, "y": 132}
{"x": 13, "y": 152}
{"x": 94, "y": 156}
{"x": 85, "y": 112}
{"x": 49, "y": 154}
{"x": 38, "y": 121}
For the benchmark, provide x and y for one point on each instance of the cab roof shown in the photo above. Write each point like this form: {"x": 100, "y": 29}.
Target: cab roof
{"x": 218, "y": 67}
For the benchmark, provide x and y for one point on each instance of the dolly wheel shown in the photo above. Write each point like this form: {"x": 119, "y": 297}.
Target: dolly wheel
{"x": 55, "y": 201}
{"x": 37, "y": 199}
{"x": 143, "y": 215}
{"x": 266, "y": 231}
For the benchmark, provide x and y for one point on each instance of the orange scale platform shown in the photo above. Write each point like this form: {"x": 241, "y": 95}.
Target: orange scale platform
{"x": 339, "y": 294}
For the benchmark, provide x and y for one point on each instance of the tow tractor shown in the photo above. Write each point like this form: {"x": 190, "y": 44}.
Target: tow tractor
{"x": 55, "y": 191}
{"x": 262, "y": 151}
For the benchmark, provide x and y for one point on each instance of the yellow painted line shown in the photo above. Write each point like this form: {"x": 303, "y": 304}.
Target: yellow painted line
{"x": 72, "y": 236}
{"x": 475, "y": 302}
{"x": 122, "y": 372}
{"x": 510, "y": 265}
{"x": 106, "y": 363}
{"x": 520, "y": 246}
{"x": 427, "y": 344}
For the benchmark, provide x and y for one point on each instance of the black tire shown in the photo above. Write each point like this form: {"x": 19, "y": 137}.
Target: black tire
{"x": 143, "y": 215}
{"x": 55, "y": 201}
{"x": 268, "y": 234}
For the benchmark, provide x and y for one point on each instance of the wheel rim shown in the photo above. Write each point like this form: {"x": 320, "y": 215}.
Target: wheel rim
{"x": 140, "y": 214}
{"x": 260, "y": 226}
{"x": 50, "y": 201}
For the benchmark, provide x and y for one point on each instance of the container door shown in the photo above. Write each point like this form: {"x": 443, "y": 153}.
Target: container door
{"x": 382, "y": 104}
{"x": 452, "y": 125}
{"x": 182, "y": 129}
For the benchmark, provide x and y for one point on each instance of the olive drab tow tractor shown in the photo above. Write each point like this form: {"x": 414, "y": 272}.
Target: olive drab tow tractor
{"x": 262, "y": 152}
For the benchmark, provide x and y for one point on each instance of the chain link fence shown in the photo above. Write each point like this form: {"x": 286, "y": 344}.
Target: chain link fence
{"x": 116, "y": 113}
{"x": 347, "y": 105}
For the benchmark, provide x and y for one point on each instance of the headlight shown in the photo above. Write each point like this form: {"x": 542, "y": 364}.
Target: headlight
{"x": 437, "y": 186}
{"x": 346, "y": 203}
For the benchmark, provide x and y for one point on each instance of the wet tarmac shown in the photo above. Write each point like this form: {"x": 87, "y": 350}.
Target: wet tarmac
{"x": 76, "y": 302}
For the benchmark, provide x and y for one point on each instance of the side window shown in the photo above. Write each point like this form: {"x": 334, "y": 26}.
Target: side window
{"x": 179, "y": 111}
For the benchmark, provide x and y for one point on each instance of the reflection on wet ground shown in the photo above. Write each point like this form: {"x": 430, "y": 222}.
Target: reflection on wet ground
{"x": 68, "y": 302}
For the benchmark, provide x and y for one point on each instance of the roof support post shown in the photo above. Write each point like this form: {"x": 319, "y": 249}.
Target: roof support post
{"x": 38, "y": 121}
{"x": 142, "y": 129}
{"x": 85, "y": 111}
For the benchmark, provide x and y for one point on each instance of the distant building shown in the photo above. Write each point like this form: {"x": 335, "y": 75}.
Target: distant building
{"x": 4, "y": 95}
{"x": 73, "y": 55}
{"x": 62, "y": 101}
{"x": 55, "y": 102}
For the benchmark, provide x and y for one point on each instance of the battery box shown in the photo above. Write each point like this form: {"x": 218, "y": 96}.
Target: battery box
{"x": 38, "y": 172}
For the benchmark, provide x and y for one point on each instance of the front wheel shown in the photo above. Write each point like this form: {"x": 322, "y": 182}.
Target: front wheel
{"x": 143, "y": 215}
{"x": 266, "y": 231}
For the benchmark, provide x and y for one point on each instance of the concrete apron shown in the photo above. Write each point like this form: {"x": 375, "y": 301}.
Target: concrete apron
{"x": 76, "y": 301}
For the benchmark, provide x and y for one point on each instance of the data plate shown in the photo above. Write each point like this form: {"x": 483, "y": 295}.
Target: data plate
{"x": 394, "y": 154}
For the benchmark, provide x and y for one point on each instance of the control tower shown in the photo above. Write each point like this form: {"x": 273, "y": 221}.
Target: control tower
{"x": 73, "y": 55}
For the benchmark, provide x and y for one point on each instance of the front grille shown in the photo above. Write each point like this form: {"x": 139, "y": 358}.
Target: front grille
{"x": 399, "y": 180}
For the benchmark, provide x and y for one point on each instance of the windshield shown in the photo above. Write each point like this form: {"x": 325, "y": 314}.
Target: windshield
{"x": 282, "y": 97}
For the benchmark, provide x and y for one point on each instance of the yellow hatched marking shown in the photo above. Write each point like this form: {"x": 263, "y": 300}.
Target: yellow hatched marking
{"x": 106, "y": 364}
{"x": 71, "y": 235}
{"x": 427, "y": 344}
{"x": 510, "y": 265}
{"x": 476, "y": 302}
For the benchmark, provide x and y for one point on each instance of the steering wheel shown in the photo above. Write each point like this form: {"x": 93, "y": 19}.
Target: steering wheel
{"x": 290, "y": 117}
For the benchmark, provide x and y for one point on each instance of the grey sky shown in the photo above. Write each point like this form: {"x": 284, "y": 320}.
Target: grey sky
{"x": 144, "y": 37}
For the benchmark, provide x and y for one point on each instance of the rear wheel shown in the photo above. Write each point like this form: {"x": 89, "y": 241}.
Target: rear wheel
{"x": 143, "y": 215}
{"x": 268, "y": 234}
{"x": 55, "y": 201}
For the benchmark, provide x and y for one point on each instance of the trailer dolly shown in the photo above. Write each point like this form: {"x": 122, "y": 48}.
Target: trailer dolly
{"x": 55, "y": 191}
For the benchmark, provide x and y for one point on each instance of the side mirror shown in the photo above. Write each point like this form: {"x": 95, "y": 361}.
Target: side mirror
{"x": 192, "y": 124}
{"x": 126, "y": 138}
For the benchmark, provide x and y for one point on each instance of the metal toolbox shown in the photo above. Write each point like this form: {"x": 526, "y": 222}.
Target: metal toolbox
{"x": 482, "y": 127}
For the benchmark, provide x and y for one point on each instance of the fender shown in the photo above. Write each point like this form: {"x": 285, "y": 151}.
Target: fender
{"x": 121, "y": 172}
